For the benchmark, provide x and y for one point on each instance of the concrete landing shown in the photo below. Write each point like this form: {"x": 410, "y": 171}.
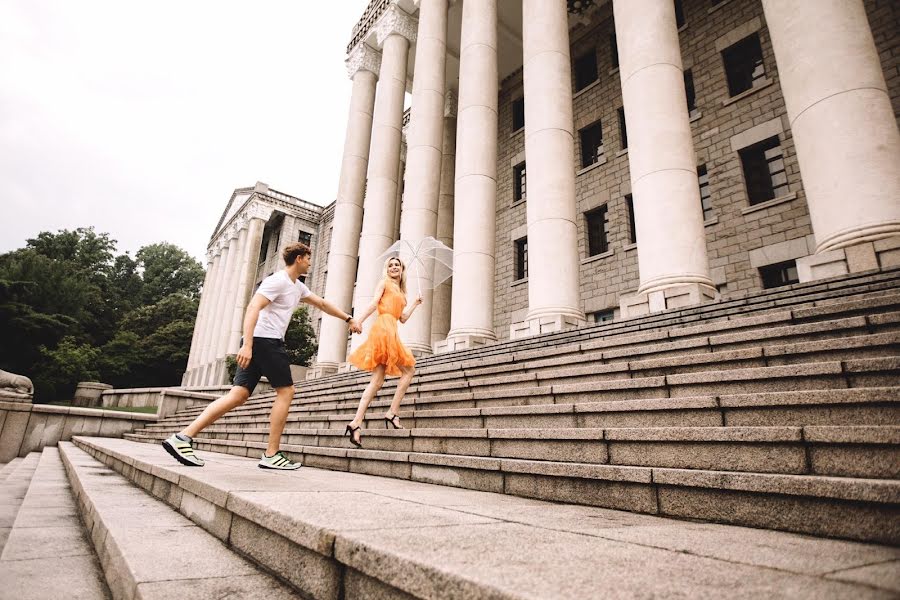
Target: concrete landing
{"x": 334, "y": 534}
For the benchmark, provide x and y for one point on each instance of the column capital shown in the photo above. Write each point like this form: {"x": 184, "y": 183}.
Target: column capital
{"x": 450, "y": 104}
{"x": 258, "y": 210}
{"x": 395, "y": 21}
{"x": 363, "y": 58}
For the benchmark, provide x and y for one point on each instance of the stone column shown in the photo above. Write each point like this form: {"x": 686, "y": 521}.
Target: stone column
{"x": 401, "y": 172}
{"x": 362, "y": 66}
{"x": 440, "y": 312}
{"x": 554, "y": 295}
{"x": 194, "y": 356}
{"x": 228, "y": 293}
{"x": 210, "y": 327}
{"x": 844, "y": 130}
{"x": 667, "y": 210}
{"x": 423, "y": 160}
{"x": 217, "y": 325}
{"x": 475, "y": 186}
{"x": 252, "y": 238}
{"x": 394, "y": 32}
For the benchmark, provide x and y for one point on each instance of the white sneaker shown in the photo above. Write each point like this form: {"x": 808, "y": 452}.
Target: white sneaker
{"x": 279, "y": 462}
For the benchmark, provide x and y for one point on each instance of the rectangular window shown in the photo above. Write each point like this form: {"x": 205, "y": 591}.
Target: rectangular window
{"x": 603, "y": 316}
{"x": 632, "y": 230}
{"x": 705, "y": 196}
{"x": 623, "y": 132}
{"x": 764, "y": 173}
{"x": 744, "y": 64}
{"x": 614, "y": 51}
{"x": 690, "y": 93}
{"x": 591, "y": 144}
{"x": 597, "y": 231}
{"x": 305, "y": 238}
{"x": 779, "y": 274}
{"x": 679, "y": 13}
{"x": 586, "y": 70}
{"x": 519, "y": 182}
{"x": 518, "y": 114}
{"x": 521, "y": 258}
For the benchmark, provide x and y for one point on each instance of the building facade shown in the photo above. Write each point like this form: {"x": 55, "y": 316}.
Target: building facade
{"x": 244, "y": 249}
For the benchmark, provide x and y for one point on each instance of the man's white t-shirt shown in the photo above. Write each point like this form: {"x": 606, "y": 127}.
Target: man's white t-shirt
{"x": 284, "y": 295}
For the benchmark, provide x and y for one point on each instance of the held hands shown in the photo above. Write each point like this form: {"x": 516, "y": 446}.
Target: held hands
{"x": 354, "y": 326}
{"x": 244, "y": 355}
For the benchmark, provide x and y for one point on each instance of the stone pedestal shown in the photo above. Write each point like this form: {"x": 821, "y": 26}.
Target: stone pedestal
{"x": 88, "y": 393}
{"x": 867, "y": 256}
{"x": 678, "y": 296}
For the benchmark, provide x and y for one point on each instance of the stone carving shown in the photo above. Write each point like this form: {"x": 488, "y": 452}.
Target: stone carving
{"x": 363, "y": 58}
{"x": 450, "y": 104}
{"x": 258, "y": 210}
{"x": 15, "y": 388}
{"x": 395, "y": 20}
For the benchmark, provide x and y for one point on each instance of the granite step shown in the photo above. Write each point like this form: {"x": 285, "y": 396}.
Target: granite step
{"x": 861, "y": 505}
{"x": 343, "y": 535}
{"x": 48, "y": 555}
{"x": 855, "y": 451}
{"x": 8, "y": 468}
{"x": 148, "y": 550}
{"x": 13, "y": 490}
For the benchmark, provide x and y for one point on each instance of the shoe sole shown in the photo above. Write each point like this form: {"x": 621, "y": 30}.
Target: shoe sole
{"x": 277, "y": 468}
{"x": 171, "y": 450}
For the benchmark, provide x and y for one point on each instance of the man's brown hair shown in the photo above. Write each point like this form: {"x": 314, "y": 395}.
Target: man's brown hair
{"x": 292, "y": 251}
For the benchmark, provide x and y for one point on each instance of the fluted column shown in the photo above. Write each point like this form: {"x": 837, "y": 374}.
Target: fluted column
{"x": 424, "y": 156}
{"x": 362, "y": 66}
{"x": 394, "y": 32}
{"x": 211, "y": 325}
{"x": 239, "y": 250}
{"x": 218, "y": 325}
{"x": 440, "y": 312}
{"x": 554, "y": 296}
{"x": 251, "y": 238}
{"x": 843, "y": 126}
{"x": 194, "y": 356}
{"x": 475, "y": 186}
{"x": 209, "y": 302}
{"x": 668, "y": 213}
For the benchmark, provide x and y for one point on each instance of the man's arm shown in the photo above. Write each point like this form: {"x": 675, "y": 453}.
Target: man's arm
{"x": 257, "y": 303}
{"x": 328, "y": 308}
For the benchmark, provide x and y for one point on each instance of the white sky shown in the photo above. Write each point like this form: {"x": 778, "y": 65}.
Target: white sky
{"x": 141, "y": 117}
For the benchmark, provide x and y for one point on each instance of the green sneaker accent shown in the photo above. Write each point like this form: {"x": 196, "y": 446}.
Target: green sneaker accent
{"x": 182, "y": 451}
{"x": 279, "y": 462}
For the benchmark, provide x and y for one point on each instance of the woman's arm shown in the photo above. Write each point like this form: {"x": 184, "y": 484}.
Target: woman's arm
{"x": 376, "y": 298}
{"x": 409, "y": 311}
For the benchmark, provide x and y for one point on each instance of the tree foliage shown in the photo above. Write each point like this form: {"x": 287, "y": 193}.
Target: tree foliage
{"x": 72, "y": 310}
{"x": 300, "y": 338}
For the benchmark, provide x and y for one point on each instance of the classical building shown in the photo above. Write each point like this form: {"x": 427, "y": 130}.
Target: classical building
{"x": 244, "y": 249}
{"x": 594, "y": 160}
{"x": 676, "y": 152}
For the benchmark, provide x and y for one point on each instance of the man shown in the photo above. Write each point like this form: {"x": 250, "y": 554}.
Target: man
{"x": 262, "y": 353}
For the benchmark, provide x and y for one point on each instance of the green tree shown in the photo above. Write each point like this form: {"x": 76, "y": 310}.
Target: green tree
{"x": 169, "y": 270}
{"x": 61, "y": 368}
{"x": 144, "y": 321}
{"x": 300, "y": 339}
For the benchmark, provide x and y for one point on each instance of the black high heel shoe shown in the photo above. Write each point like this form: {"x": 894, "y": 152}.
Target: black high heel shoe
{"x": 350, "y": 431}
{"x": 391, "y": 422}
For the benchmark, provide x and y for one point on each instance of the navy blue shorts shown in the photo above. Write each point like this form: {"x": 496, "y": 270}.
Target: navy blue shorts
{"x": 269, "y": 359}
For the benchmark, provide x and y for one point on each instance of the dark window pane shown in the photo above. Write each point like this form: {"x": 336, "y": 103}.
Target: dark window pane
{"x": 743, "y": 64}
{"x": 586, "y": 70}
{"x": 763, "y": 171}
{"x": 591, "y": 144}
{"x": 614, "y": 51}
{"x": 689, "y": 92}
{"x": 305, "y": 238}
{"x": 521, "y": 252}
{"x": 519, "y": 182}
{"x": 679, "y": 13}
{"x": 705, "y": 197}
{"x": 632, "y": 230}
{"x": 597, "y": 229}
{"x": 623, "y": 132}
{"x": 779, "y": 274}
{"x": 518, "y": 114}
{"x": 603, "y": 316}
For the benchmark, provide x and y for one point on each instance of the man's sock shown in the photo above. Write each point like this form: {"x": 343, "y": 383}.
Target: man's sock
{"x": 184, "y": 438}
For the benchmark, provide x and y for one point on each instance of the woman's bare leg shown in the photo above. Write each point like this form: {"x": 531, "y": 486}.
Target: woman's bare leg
{"x": 402, "y": 385}
{"x": 374, "y": 385}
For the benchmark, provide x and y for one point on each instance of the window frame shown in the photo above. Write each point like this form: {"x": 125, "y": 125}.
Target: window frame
{"x": 594, "y": 245}
{"x": 597, "y": 152}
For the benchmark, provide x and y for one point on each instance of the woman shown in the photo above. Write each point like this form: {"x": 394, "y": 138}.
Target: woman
{"x": 383, "y": 353}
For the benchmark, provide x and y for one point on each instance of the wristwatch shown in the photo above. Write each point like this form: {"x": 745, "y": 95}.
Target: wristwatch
{"x": 347, "y": 320}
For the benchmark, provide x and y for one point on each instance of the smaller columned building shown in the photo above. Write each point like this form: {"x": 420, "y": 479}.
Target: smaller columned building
{"x": 244, "y": 249}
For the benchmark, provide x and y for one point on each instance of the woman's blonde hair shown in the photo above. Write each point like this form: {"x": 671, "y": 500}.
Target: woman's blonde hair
{"x": 402, "y": 272}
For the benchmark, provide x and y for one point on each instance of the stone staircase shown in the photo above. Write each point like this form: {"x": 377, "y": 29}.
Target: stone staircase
{"x": 778, "y": 410}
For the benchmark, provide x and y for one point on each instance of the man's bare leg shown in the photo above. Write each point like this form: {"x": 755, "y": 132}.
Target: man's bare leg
{"x": 278, "y": 417}
{"x": 234, "y": 398}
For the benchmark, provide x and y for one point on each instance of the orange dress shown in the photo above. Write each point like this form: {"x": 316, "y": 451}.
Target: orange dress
{"x": 383, "y": 346}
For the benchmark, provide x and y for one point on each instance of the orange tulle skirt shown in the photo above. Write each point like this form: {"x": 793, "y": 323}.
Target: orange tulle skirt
{"x": 383, "y": 347}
